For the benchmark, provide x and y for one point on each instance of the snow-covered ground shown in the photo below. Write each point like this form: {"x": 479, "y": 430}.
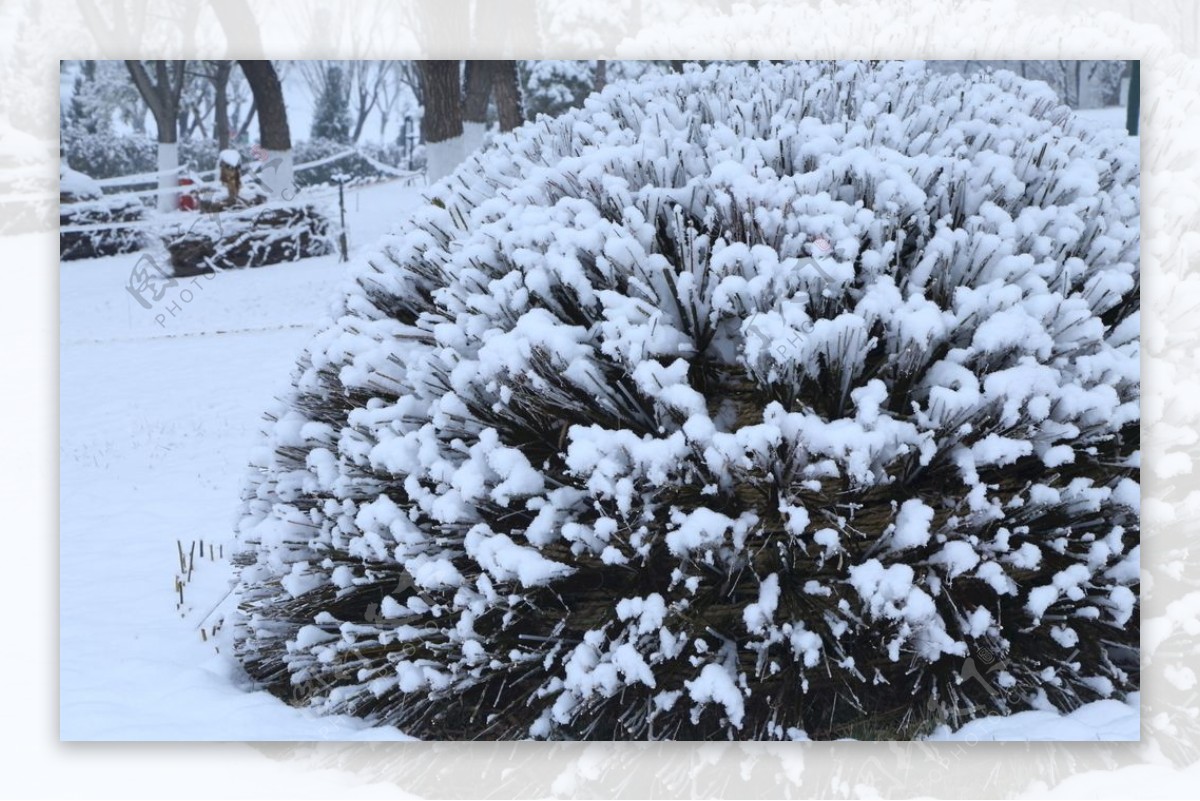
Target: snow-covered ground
{"x": 157, "y": 421}
{"x": 158, "y": 413}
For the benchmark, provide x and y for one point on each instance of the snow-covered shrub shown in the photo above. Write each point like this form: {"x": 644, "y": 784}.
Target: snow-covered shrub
{"x": 96, "y": 219}
{"x": 249, "y": 237}
{"x": 594, "y": 449}
{"x": 104, "y": 154}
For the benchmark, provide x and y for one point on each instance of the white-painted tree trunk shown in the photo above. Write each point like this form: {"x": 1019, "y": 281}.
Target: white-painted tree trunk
{"x": 473, "y": 137}
{"x": 278, "y": 175}
{"x": 168, "y": 176}
{"x": 442, "y": 157}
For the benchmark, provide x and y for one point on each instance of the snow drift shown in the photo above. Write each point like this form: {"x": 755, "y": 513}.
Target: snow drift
{"x": 743, "y": 403}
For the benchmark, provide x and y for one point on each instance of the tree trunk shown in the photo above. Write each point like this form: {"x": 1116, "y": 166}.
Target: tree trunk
{"x": 443, "y": 110}
{"x": 477, "y": 93}
{"x": 367, "y": 92}
{"x": 1133, "y": 104}
{"x": 477, "y": 90}
{"x": 168, "y": 176}
{"x": 185, "y": 123}
{"x": 268, "y": 99}
{"x": 162, "y": 96}
{"x": 197, "y": 123}
{"x": 507, "y": 90}
{"x": 245, "y": 126}
{"x": 221, "y": 103}
{"x": 359, "y": 122}
{"x": 601, "y": 75}
{"x": 276, "y": 138}
{"x": 442, "y": 123}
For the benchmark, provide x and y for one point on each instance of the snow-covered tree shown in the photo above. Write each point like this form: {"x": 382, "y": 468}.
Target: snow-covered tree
{"x": 85, "y": 108}
{"x": 552, "y": 87}
{"x": 331, "y": 119}
{"x": 102, "y": 93}
{"x": 751, "y": 402}
{"x": 346, "y": 92}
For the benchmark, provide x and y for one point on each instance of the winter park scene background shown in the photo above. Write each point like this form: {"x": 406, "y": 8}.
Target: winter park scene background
{"x": 571, "y": 400}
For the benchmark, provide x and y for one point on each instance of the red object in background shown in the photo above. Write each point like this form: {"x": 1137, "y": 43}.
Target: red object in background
{"x": 187, "y": 199}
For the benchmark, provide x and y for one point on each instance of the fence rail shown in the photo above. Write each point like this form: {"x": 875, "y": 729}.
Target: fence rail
{"x": 146, "y": 177}
{"x": 138, "y": 178}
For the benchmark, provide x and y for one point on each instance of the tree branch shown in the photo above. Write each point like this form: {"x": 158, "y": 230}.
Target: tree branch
{"x": 146, "y": 88}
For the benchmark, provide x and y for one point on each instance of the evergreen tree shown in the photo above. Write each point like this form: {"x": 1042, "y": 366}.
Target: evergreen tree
{"x": 80, "y": 112}
{"x": 331, "y": 119}
{"x": 552, "y": 87}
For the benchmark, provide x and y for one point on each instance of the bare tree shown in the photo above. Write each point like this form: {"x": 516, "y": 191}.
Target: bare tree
{"x": 367, "y": 80}
{"x": 196, "y": 103}
{"x": 161, "y": 94}
{"x": 242, "y": 110}
{"x": 218, "y": 73}
{"x": 315, "y": 74}
{"x": 391, "y": 89}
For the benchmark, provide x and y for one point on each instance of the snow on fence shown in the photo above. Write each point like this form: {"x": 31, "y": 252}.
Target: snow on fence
{"x": 211, "y": 183}
{"x": 409, "y": 175}
{"x": 138, "y": 178}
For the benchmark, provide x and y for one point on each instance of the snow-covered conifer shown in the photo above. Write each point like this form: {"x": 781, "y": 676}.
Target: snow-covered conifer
{"x": 750, "y": 402}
